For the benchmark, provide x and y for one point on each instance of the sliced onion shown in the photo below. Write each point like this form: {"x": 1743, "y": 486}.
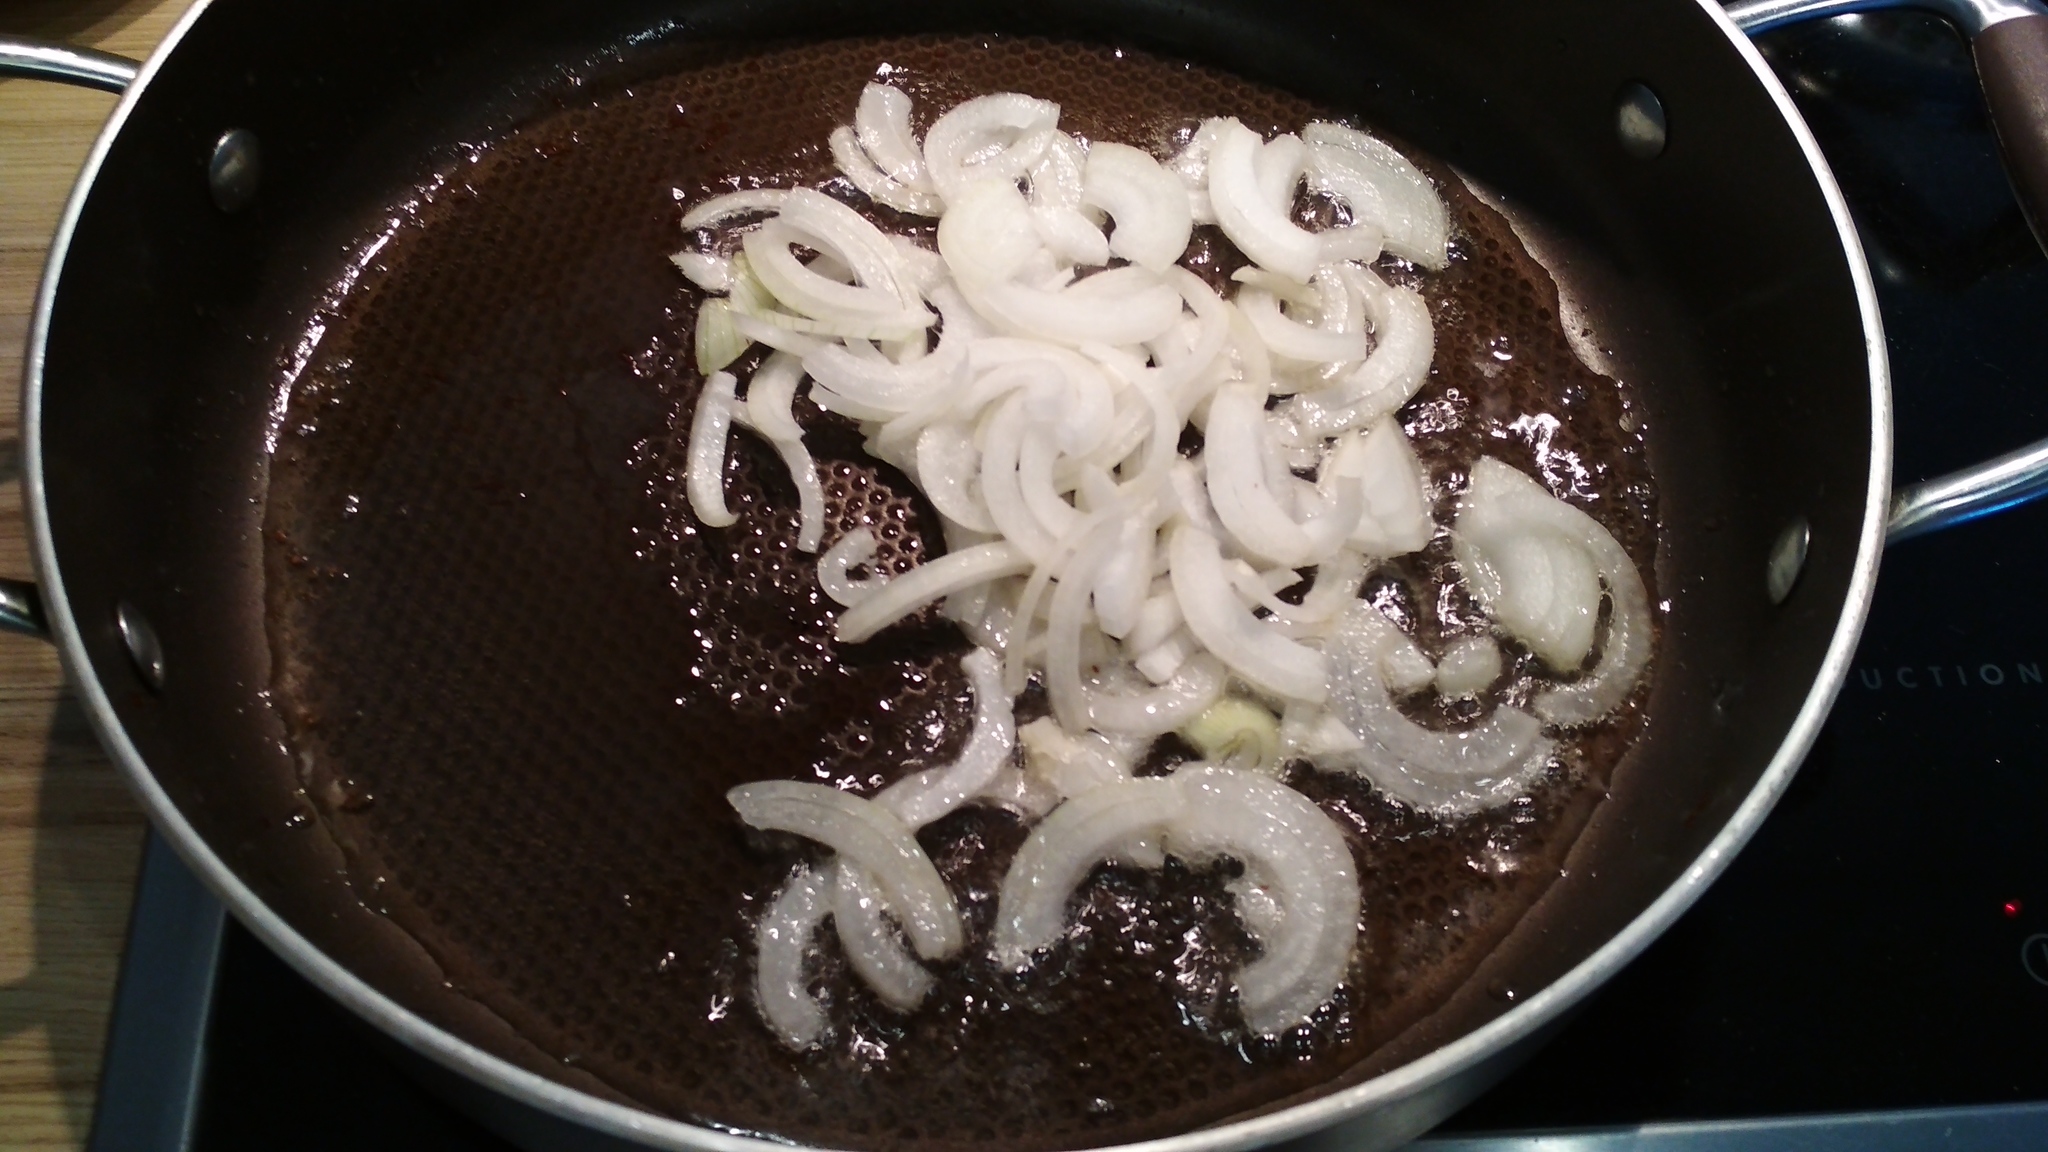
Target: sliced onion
{"x": 872, "y": 947}
{"x": 876, "y": 310}
{"x": 850, "y": 551}
{"x": 1396, "y": 520}
{"x": 1405, "y": 342}
{"x": 882, "y": 122}
{"x": 1031, "y": 907}
{"x": 860, "y": 169}
{"x": 934, "y": 792}
{"x": 1191, "y": 164}
{"x": 1069, "y": 766}
{"x": 1469, "y": 666}
{"x": 1148, "y": 204}
{"x": 1195, "y": 685}
{"x": 1127, "y": 305}
{"x": 1512, "y": 534}
{"x": 782, "y": 941}
{"x": 1262, "y": 655}
{"x": 1248, "y": 215}
{"x": 1449, "y": 773}
{"x": 1071, "y": 236}
{"x": 718, "y": 343}
{"x": 1298, "y": 894}
{"x": 1293, "y": 339}
{"x": 1236, "y": 463}
{"x": 948, "y": 472}
{"x": 711, "y": 273}
{"x": 704, "y": 473}
{"x": 1125, "y": 578}
{"x": 871, "y": 836}
{"x": 988, "y": 234}
{"x": 1380, "y": 186}
{"x": 880, "y": 386}
{"x": 932, "y": 580}
{"x": 721, "y": 208}
{"x": 988, "y": 138}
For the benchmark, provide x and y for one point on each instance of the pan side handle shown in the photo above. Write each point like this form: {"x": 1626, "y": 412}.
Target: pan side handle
{"x": 2009, "y": 40}
{"x": 84, "y": 67}
{"x": 21, "y": 604}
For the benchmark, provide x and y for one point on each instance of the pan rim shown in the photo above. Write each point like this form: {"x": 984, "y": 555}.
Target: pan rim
{"x": 1360, "y": 1103}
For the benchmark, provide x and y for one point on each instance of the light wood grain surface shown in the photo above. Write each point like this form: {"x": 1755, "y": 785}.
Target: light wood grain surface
{"x": 70, "y": 836}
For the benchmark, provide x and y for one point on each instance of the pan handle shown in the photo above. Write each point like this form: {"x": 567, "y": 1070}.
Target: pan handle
{"x": 2009, "y": 39}
{"x": 21, "y": 604}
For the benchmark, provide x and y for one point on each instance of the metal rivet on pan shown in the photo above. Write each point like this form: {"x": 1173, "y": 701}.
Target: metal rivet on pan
{"x": 235, "y": 170}
{"x": 143, "y": 646}
{"x": 1788, "y": 559}
{"x": 1639, "y": 121}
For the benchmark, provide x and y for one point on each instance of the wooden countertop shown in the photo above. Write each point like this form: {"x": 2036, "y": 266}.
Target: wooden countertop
{"x": 70, "y": 836}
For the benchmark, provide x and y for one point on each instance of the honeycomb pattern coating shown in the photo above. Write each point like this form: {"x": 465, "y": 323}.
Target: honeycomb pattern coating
{"x": 521, "y": 677}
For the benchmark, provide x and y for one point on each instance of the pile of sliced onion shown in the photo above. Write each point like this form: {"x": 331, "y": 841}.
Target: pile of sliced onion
{"x": 1034, "y": 377}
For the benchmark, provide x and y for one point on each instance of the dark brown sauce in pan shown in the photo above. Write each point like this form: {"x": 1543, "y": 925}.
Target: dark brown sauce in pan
{"x": 520, "y": 678}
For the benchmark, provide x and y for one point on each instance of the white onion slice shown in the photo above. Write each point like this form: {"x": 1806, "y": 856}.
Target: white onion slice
{"x": 1191, "y": 164}
{"x": 1127, "y": 305}
{"x": 859, "y": 168}
{"x": 948, "y": 472}
{"x": 1197, "y": 683}
{"x": 1469, "y": 666}
{"x": 1148, "y": 204}
{"x": 934, "y": 792}
{"x": 1285, "y": 336}
{"x": 1405, "y": 341}
{"x": 932, "y": 580}
{"x": 704, "y": 472}
{"x": 879, "y": 385}
{"x": 870, "y": 836}
{"x": 1298, "y": 894}
{"x": 988, "y": 138}
{"x": 711, "y": 273}
{"x": 1248, "y": 215}
{"x": 1237, "y": 466}
{"x": 872, "y": 947}
{"x": 1031, "y": 908}
{"x": 782, "y": 943}
{"x": 882, "y": 122}
{"x": 770, "y": 394}
{"x": 876, "y": 309}
{"x": 850, "y": 551}
{"x": 1262, "y": 655}
{"x": 724, "y": 207}
{"x": 1397, "y": 519}
{"x": 1449, "y": 773}
{"x": 1528, "y": 557}
{"x": 1380, "y": 186}
{"x": 1069, "y": 766}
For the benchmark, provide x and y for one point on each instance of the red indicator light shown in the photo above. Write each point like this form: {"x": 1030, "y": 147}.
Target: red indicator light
{"x": 2013, "y": 909}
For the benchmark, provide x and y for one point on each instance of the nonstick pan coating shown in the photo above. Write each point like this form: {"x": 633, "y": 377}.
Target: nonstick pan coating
{"x": 1749, "y": 357}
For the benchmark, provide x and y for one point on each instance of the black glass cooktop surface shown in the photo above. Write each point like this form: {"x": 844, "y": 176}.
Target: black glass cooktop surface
{"x": 1872, "y": 972}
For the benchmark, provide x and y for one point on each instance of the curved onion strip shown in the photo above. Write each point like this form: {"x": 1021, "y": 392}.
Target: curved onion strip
{"x": 880, "y": 385}
{"x": 872, "y": 947}
{"x": 881, "y": 121}
{"x": 1148, "y": 204}
{"x": 1278, "y": 166}
{"x": 1127, "y": 305}
{"x": 870, "y": 836}
{"x": 1031, "y": 907}
{"x": 711, "y": 273}
{"x": 988, "y": 138}
{"x": 1504, "y": 506}
{"x": 1001, "y": 488}
{"x": 1450, "y": 773}
{"x": 932, "y": 793}
{"x": 770, "y": 393}
{"x": 704, "y": 472}
{"x": 1396, "y": 520}
{"x": 1291, "y": 338}
{"x": 777, "y": 330}
{"x": 932, "y": 580}
{"x": 721, "y": 208}
{"x": 1298, "y": 894}
{"x": 1247, "y": 215}
{"x": 1261, "y": 654}
{"x": 804, "y": 291}
{"x": 1405, "y": 343}
{"x": 988, "y": 234}
{"x": 871, "y": 257}
{"x": 1055, "y": 178}
{"x": 850, "y": 551}
{"x": 860, "y": 169}
{"x": 1380, "y": 186}
{"x": 949, "y": 473}
{"x": 782, "y": 941}
{"x": 1469, "y": 667}
{"x": 1071, "y": 236}
{"x": 1191, "y": 164}
{"x": 1125, "y": 578}
{"x": 1064, "y": 620}
{"x": 1235, "y": 460}
{"x": 1196, "y": 684}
